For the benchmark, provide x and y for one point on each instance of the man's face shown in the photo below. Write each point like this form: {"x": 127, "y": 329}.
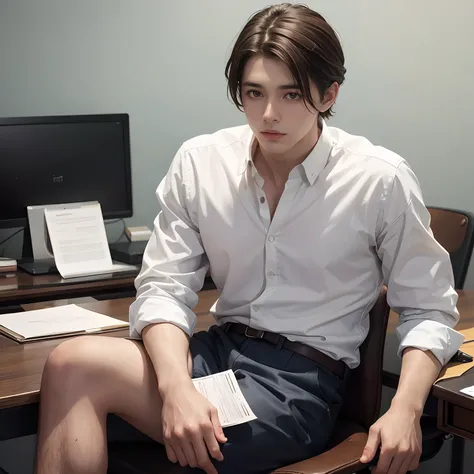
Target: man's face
{"x": 274, "y": 106}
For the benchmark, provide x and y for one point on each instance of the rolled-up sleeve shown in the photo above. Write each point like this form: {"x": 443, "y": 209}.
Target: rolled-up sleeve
{"x": 174, "y": 263}
{"x": 417, "y": 271}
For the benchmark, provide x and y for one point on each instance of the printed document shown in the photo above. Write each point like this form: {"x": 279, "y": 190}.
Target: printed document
{"x": 79, "y": 242}
{"x": 468, "y": 390}
{"x": 57, "y": 321}
{"x": 223, "y": 391}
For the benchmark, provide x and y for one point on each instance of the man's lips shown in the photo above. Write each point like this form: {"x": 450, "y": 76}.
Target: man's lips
{"x": 272, "y": 134}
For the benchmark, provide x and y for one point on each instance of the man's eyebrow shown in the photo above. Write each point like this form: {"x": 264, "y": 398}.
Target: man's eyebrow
{"x": 259, "y": 86}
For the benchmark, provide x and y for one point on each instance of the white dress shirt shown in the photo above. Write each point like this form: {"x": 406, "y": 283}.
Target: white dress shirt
{"x": 351, "y": 218}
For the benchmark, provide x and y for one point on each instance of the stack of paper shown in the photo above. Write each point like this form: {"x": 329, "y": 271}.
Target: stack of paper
{"x": 79, "y": 241}
{"x": 60, "y": 321}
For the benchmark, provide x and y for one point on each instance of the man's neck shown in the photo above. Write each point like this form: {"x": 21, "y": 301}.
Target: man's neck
{"x": 277, "y": 167}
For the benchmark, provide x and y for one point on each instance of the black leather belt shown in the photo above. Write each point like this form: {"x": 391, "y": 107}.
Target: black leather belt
{"x": 336, "y": 366}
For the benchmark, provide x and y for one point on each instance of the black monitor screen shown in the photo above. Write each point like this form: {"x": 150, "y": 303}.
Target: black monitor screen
{"x": 63, "y": 162}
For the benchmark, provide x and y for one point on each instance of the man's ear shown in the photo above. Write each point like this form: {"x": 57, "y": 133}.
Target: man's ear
{"x": 329, "y": 98}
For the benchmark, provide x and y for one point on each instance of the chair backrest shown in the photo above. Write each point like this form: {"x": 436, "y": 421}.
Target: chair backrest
{"x": 364, "y": 387}
{"x": 454, "y": 230}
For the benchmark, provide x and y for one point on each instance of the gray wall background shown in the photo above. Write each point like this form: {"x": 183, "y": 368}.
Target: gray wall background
{"x": 409, "y": 86}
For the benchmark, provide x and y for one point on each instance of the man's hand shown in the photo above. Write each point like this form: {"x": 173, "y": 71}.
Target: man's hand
{"x": 191, "y": 429}
{"x": 190, "y": 424}
{"x": 398, "y": 433}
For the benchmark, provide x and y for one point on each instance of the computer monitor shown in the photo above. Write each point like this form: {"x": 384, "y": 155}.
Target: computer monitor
{"x": 64, "y": 159}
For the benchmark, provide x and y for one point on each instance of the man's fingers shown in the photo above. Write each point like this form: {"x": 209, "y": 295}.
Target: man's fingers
{"x": 212, "y": 444}
{"x": 180, "y": 455}
{"x": 385, "y": 460}
{"x": 188, "y": 450}
{"x": 397, "y": 462}
{"x": 371, "y": 446}
{"x": 415, "y": 462}
{"x": 202, "y": 455}
{"x": 406, "y": 466}
{"x": 218, "y": 432}
{"x": 170, "y": 453}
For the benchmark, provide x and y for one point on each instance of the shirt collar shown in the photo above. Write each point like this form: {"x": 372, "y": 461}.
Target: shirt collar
{"x": 250, "y": 146}
{"x": 314, "y": 162}
{"x": 319, "y": 156}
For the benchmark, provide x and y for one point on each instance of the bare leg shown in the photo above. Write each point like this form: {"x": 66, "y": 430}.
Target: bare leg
{"x": 85, "y": 379}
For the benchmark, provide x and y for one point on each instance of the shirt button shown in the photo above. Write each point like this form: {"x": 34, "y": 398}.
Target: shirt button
{"x": 255, "y": 307}
{"x": 262, "y": 200}
{"x": 271, "y": 238}
{"x": 270, "y": 274}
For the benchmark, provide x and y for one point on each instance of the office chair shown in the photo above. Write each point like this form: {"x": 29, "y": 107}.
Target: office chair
{"x": 454, "y": 230}
{"x": 360, "y": 410}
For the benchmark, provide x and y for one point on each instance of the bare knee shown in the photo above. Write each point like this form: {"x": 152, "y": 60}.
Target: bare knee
{"x": 73, "y": 366}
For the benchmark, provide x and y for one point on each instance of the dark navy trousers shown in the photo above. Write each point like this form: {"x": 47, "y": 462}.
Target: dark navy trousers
{"x": 296, "y": 401}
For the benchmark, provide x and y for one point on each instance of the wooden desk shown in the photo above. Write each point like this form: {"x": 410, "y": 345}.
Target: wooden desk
{"x": 21, "y": 367}
{"x": 455, "y": 409}
{"x": 25, "y": 288}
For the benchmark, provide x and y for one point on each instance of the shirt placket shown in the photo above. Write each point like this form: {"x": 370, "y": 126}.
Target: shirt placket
{"x": 272, "y": 269}
{"x": 263, "y": 209}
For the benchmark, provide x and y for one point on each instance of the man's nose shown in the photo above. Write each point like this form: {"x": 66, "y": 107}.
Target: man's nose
{"x": 271, "y": 113}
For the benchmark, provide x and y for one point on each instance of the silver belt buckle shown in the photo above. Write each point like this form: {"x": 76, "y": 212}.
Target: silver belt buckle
{"x": 262, "y": 333}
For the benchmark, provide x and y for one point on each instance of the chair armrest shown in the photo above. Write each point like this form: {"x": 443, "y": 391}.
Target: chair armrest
{"x": 341, "y": 459}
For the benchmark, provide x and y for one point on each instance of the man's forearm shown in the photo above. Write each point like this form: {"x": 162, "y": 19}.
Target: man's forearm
{"x": 419, "y": 371}
{"x": 168, "y": 348}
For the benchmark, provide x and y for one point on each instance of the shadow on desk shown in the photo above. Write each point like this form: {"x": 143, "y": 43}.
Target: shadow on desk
{"x": 14, "y": 308}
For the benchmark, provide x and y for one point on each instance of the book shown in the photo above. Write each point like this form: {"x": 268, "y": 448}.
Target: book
{"x": 59, "y": 321}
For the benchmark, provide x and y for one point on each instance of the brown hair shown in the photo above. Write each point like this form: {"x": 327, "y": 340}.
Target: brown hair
{"x": 299, "y": 37}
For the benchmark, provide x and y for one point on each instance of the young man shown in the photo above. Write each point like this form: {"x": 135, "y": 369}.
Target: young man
{"x": 301, "y": 225}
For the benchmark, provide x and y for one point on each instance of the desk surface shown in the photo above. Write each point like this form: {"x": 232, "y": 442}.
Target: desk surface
{"x": 21, "y": 365}
{"x": 25, "y": 288}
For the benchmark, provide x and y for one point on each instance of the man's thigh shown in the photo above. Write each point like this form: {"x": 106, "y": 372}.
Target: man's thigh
{"x": 208, "y": 354}
{"x": 213, "y": 351}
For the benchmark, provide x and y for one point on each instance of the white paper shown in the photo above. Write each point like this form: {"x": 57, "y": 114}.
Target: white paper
{"x": 79, "y": 242}
{"x": 57, "y": 320}
{"x": 468, "y": 391}
{"x": 7, "y": 262}
{"x": 223, "y": 391}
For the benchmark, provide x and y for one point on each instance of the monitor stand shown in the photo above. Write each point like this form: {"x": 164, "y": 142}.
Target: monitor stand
{"x": 38, "y": 267}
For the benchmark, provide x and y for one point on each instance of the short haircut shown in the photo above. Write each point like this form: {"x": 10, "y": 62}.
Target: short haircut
{"x": 299, "y": 37}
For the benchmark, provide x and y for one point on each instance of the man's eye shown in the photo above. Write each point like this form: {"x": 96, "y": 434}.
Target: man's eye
{"x": 254, "y": 94}
{"x": 294, "y": 95}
